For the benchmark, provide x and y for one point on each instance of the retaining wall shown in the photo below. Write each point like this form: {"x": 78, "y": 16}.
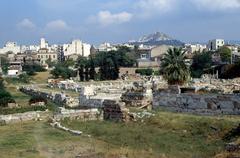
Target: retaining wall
{"x": 206, "y": 104}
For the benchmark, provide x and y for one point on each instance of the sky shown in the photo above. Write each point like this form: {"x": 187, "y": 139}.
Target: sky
{"x": 116, "y": 21}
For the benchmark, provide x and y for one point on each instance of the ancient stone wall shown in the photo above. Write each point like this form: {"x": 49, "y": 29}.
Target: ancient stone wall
{"x": 205, "y": 104}
{"x": 115, "y": 110}
{"x": 59, "y": 98}
{"x": 84, "y": 115}
{"x": 21, "y": 117}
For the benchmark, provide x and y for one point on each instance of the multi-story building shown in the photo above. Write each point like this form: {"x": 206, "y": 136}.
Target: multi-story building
{"x": 43, "y": 44}
{"x": 151, "y": 57}
{"x": 77, "y": 47}
{"x": 106, "y": 47}
{"x": 215, "y": 44}
{"x": 10, "y": 47}
{"x": 191, "y": 48}
{"x": 235, "y": 53}
{"x": 44, "y": 55}
{"x": 15, "y": 68}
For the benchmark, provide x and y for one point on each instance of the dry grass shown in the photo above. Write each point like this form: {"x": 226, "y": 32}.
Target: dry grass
{"x": 41, "y": 77}
{"x": 167, "y": 135}
{"x": 20, "y": 98}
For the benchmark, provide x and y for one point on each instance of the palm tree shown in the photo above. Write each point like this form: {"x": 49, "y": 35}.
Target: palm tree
{"x": 174, "y": 67}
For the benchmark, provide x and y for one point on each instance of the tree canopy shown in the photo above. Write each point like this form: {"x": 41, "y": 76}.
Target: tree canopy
{"x": 201, "y": 62}
{"x": 225, "y": 54}
{"x": 174, "y": 66}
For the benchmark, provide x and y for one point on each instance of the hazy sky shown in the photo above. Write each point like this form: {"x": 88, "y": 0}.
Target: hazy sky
{"x": 96, "y": 21}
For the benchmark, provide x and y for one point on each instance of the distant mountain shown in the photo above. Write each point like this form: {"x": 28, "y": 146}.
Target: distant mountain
{"x": 157, "y": 38}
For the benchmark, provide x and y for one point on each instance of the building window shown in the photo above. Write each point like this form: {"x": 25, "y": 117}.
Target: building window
{"x": 53, "y": 56}
{"x": 144, "y": 56}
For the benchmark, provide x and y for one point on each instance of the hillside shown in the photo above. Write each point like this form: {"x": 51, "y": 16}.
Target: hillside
{"x": 157, "y": 38}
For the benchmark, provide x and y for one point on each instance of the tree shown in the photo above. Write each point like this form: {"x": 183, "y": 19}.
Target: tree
{"x": 68, "y": 63}
{"x": 31, "y": 69}
{"x": 109, "y": 66}
{"x": 4, "y": 64}
{"x": 126, "y": 57}
{"x": 174, "y": 67}
{"x": 81, "y": 65}
{"x": 231, "y": 71}
{"x": 24, "y": 78}
{"x": 225, "y": 54}
{"x": 5, "y": 97}
{"x": 92, "y": 71}
{"x": 201, "y": 62}
{"x": 62, "y": 71}
{"x": 50, "y": 63}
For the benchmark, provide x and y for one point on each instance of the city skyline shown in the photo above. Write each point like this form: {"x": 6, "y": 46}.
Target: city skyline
{"x": 117, "y": 21}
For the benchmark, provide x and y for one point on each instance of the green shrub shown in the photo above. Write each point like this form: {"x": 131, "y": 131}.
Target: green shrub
{"x": 144, "y": 72}
{"x": 157, "y": 73}
{"x": 5, "y": 98}
{"x": 24, "y": 78}
{"x": 33, "y": 67}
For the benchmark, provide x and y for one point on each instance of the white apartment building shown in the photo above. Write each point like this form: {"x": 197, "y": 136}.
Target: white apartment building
{"x": 215, "y": 44}
{"x": 43, "y": 55}
{"x": 191, "y": 48}
{"x": 43, "y": 44}
{"x": 77, "y": 47}
{"x": 32, "y": 48}
{"x": 106, "y": 47}
{"x": 86, "y": 49}
{"x": 10, "y": 47}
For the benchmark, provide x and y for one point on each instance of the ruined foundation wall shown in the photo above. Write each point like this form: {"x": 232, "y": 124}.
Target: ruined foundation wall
{"x": 207, "y": 104}
{"x": 57, "y": 98}
{"x": 22, "y": 117}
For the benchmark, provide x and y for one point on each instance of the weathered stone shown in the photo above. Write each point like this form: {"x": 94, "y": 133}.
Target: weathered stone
{"x": 114, "y": 110}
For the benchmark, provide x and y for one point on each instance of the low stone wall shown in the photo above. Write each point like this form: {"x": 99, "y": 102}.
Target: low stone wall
{"x": 22, "y": 117}
{"x": 207, "y": 104}
{"x": 86, "y": 101}
{"x": 136, "y": 99}
{"x": 84, "y": 115}
{"x": 58, "y": 98}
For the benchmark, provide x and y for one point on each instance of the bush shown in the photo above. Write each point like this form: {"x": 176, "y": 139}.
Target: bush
{"x": 60, "y": 71}
{"x": 33, "y": 67}
{"x": 231, "y": 71}
{"x": 157, "y": 73}
{"x": 5, "y": 98}
{"x": 24, "y": 78}
{"x": 144, "y": 72}
{"x": 31, "y": 73}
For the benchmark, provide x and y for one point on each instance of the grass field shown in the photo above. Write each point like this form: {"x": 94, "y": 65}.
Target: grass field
{"x": 165, "y": 135}
{"x": 41, "y": 77}
{"x": 20, "y": 98}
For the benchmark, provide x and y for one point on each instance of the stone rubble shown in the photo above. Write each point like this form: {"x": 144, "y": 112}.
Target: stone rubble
{"x": 59, "y": 126}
